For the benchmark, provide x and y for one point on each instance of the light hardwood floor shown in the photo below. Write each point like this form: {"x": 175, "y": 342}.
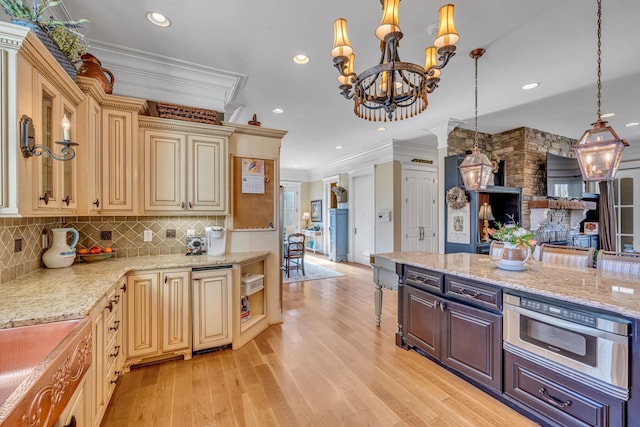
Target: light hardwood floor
{"x": 326, "y": 365}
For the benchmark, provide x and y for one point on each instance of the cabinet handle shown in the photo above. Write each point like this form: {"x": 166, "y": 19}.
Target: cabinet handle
{"x": 117, "y": 373}
{"x": 442, "y": 306}
{"x": 463, "y": 291}
{"x": 67, "y": 200}
{"x": 116, "y": 298}
{"x": 116, "y": 326}
{"x": 182, "y": 205}
{"x": 97, "y": 203}
{"x": 190, "y": 205}
{"x": 123, "y": 288}
{"x": 72, "y": 422}
{"x": 166, "y": 278}
{"x": 552, "y": 400}
{"x": 110, "y": 306}
{"x": 117, "y": 353}
{"x": 45, "y": 198}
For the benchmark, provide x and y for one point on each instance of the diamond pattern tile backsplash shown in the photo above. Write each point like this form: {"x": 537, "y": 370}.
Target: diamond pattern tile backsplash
{"x": 169, "y": 237}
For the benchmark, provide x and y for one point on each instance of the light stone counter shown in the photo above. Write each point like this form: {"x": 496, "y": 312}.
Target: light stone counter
{"x": 49, "y": 295}
{"x": 614, "y": 292}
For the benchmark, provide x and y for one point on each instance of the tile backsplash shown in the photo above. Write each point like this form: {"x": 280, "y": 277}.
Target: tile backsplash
{"x": 168, "y": 237}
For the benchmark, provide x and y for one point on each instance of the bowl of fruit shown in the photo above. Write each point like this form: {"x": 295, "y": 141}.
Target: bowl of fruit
{"x": 95, "y": 253}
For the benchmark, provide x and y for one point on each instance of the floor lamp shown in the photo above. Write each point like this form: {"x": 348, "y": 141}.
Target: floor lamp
{"x": 485, "y": 215}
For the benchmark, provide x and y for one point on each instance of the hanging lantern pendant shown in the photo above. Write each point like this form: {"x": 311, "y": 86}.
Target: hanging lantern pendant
{"x": 599, "y": 150}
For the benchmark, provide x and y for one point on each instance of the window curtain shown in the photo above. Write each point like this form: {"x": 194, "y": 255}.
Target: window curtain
{"x": 607, "y": 234}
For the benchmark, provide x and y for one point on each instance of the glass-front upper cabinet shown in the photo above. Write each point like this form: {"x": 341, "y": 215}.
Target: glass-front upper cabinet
{"x": 55, "y": 180}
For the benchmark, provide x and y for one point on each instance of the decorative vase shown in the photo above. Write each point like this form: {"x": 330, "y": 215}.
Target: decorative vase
{"x": 61, "y": 254}
{"x": 514, "y": 258}
{"x": 50, "y": 44}
{"x": 92, "y": 67}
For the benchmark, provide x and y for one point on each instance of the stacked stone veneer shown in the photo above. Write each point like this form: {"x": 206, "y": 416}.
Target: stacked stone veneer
{"x": 524, "y": 151}
{"x": 126, "y": 237}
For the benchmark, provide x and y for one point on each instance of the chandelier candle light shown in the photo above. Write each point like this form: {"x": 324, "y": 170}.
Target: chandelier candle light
{"x": 476, "y": 168}
{"x": 392, "y": 90}
{"x": 599, "y": 149}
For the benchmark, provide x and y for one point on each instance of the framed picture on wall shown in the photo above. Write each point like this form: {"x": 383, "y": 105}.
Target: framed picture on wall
{"x": 590, "y": 228}
{"x": 316, "y": 211}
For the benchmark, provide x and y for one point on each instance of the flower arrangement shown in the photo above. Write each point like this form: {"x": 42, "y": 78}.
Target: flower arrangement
{"x": 456, "y": 198}
{"x": 66, "y": 34}
{"x": 513, "y": 234}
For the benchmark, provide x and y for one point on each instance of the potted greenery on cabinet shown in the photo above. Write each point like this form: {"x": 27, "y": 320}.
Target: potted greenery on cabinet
{"x": 62, "y": 38}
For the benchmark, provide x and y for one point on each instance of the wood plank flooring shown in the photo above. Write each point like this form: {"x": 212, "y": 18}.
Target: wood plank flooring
{"x": 326, "y": 365}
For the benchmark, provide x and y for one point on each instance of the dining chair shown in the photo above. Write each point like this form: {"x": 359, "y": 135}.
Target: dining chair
{"x": 566, "y": 255}
{"x": 619, "y": 262}
{"x": 294, "y": 258}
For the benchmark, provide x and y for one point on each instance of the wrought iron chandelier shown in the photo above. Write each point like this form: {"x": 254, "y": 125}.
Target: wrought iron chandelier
{"x": 599, "y": 150}
{"x": 392, "y": 90}
{"x": 476, "y": 168}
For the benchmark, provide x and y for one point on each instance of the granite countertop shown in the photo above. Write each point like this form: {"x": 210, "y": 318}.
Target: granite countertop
{"x": 50, "y": 295}
{"x": 614, "y": 292}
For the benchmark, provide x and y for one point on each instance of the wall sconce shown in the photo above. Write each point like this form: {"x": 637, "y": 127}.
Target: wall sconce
{"x": 30, "y": 148}
{"x": 485, "y": 215}
{"x": 306, "y": 216}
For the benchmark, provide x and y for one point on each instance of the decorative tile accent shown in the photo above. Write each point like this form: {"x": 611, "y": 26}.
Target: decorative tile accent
{"x": 126, "y": 237}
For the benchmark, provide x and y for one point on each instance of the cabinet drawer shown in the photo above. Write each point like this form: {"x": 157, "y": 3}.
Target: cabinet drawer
{"x": 474, "y": 293}
{"x": 559, "y": 398}
{"x": 425, "y": 279}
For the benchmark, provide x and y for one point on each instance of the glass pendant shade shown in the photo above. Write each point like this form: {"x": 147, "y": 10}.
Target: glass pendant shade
{"x": 348, "y": 69}
{"x": 599, "y": 151}
{"x": 341, "y": 45}
{"x": 476, "y": 170}
{"x": 447, "y": 35}
{"x": 431, "y": 61}
{"x": 389, "y": 23}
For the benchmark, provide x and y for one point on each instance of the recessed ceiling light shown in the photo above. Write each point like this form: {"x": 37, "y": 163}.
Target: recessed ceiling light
{"x": 277, "y": 110}
{"x": 530, "y": 86}
{"x": 158, "y": 19}
{"x": 632, "y": 124}
{"x": 338, "y": 147}
{"x": 301, "y": 59}
{"x": 606, "y": 115}
{"x": 381, "y": 129}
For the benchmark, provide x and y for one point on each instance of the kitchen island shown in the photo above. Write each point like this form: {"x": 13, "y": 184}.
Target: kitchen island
{"x": 557, "y": 343}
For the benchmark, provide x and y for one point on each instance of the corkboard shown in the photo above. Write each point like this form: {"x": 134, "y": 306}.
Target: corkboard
{"x": 253, "y": 211}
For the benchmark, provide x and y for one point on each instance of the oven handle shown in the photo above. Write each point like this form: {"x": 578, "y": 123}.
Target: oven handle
{"x": 571, "y": 326}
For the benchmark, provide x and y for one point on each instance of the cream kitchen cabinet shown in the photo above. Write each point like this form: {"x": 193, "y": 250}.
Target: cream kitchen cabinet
{"x": 77, "y": 412}
{"x": 108, "y": 348}
{"x": 212, "y": 313}
{"x": 158, "y": 315}
{"x": 185, "y": 166}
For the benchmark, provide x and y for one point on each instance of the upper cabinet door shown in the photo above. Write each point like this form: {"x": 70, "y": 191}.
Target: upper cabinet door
{"x": 164, "y": 174}
{"x": 119, "y": 158}
{"x": 207, "y": 174}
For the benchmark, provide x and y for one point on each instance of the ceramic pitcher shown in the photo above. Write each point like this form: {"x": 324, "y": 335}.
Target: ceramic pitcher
{"x": 61, "y": 254}
{"x": 92, "y": 67}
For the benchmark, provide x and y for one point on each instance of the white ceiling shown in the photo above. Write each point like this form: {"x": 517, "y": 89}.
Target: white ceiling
{"x": 237, "y": 56}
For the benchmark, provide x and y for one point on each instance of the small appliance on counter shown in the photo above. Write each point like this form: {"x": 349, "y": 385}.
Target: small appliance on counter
{"x": 216, "y": 238}
{"x": 195, "y": 245}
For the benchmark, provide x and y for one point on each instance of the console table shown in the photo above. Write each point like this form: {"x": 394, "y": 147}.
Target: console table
{"x": 313, "y": 240}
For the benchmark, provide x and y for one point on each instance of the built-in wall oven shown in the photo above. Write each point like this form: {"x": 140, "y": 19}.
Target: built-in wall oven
{"x": 590, "y": 343}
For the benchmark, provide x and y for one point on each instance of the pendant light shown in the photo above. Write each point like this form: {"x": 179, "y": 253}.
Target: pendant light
{"x": 476, "y": 168}
{"x": 599, "y": 149}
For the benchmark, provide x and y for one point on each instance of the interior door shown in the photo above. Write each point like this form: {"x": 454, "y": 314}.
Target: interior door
{"x": 362, "y": 208}
{"x": 420, "y": 211}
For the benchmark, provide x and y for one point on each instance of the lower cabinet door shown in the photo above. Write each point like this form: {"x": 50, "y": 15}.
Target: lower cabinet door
{"x": 142, "y": 315}
{"x": 562, "y": 400}
{"x": 421, "y": 320}
{"x": 212, "y": 311}
{"x": 472, "y": 344}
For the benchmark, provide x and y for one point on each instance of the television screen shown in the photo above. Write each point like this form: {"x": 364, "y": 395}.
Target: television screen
{"x": 564, "y": 179}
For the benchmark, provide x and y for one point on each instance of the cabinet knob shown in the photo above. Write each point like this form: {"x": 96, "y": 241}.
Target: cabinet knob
{"x": 97, "y": 203}
{"x": 45, "y": 198}
{"x": 123, "y": 288}
{"x": 67, "y": 200}
{"x": 115, "y": 380}
{"x": 116, "y": 353}
{"x": 72, "y": 422}
{"x": 190, "y": 205}
{"x": 110, "y": 306}
{"x": 116, "y": 298}
{"x": 115, "y": 327}
{"x": 182, "y": 205}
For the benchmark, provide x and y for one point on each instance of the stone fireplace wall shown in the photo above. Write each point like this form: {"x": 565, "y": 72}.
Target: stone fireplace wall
{"x": 524, "y": 153}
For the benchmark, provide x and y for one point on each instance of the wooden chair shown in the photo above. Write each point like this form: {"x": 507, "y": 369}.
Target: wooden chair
{"x": 567, "y": 255}
{"x": 495, "y": 249}
{"x": 619, "y": 262}
{"x": 294, "y": 258}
